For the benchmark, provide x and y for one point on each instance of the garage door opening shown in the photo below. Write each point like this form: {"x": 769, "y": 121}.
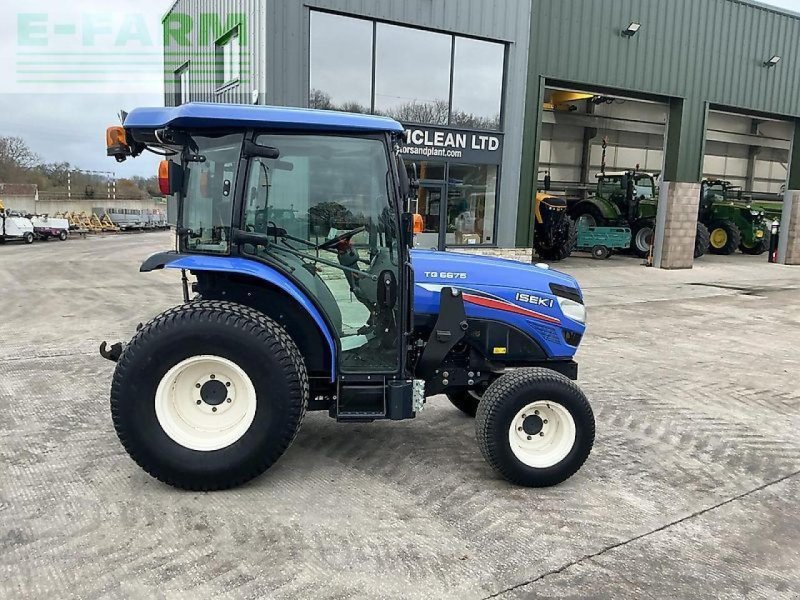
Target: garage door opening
{"x": 602, "y": 155}
{"x": 745, "y": 169}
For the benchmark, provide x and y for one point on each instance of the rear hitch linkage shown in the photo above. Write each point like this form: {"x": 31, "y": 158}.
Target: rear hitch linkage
{"x": 113, "y": 353}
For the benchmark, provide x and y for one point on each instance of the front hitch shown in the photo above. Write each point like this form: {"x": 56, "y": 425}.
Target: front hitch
{"x": 113, "y": 353}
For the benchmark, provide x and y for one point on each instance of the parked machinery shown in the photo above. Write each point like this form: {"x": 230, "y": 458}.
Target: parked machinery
{"x": 46, "y": 227}
{"x": 629, "y": 199}
{"x": 14, "y": 226}
{"x": 554, "y": 231}
{"x": 350, "y": 321}
{"x": 732, "y": 222}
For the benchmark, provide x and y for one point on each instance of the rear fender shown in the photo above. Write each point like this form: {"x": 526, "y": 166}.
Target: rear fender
{"x": 249, "y": 268}
{"x": 607, "y": 208}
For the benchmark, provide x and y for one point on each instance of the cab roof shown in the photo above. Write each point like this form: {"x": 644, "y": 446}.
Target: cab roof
{"x": 201, "y": 115}
{"x": 624, "y": 173}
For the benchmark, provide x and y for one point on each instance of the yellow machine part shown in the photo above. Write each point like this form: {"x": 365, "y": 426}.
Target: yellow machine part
{"x": 108, "y": 224}
{"x": 548, "y": 199}
{"x": 95, "y": 223}
{"x": 562, "y": 100}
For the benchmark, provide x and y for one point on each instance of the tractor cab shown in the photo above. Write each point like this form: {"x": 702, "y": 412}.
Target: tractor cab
{"x": 322, "y": 207}
{"x": 627, "y": 190}
{"x": 307, "y": 296}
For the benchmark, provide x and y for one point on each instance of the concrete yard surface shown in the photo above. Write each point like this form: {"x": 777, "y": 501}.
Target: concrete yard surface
{"x": 692, "y": 490}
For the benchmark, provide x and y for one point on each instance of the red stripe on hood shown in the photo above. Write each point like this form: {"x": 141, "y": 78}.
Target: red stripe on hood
{"x": 509, "y": 307}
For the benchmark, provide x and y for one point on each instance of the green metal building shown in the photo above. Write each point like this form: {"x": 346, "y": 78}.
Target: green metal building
{"x": 470, "y": 79}
{"x": 692, "y": 55}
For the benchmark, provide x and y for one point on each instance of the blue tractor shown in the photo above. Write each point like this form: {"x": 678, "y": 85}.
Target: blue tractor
{"x": 305, "y": 294}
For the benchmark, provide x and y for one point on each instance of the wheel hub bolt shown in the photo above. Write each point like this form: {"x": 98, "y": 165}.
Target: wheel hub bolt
{"x": 199, "y": 402}
{"x": 519, "y": 428}
{"x": 213, "y": 409}
{"x": 529, "y": 437}
{"x": 536, "y": 412}
{"x": 212, "y": 376}
{"x": 229, "y": 400}
{"x": 228, "y": 384}
{"x": 542, "y": 434}
{"x": 197, "y": 385}
{"x": 545, "y": 421}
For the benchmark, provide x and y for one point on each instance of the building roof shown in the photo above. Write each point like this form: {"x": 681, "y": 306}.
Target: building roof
{"x": 198, "y": 115}
{"x": 18, "y": 189}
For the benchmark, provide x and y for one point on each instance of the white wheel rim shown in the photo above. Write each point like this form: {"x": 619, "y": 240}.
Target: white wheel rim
{"x": 542, "y": 434}
{"x": 205, "y": 403}
{"x": 641, "y": 238}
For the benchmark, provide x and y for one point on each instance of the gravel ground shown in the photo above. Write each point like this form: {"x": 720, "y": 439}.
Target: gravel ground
{"x": 691, "y": 491}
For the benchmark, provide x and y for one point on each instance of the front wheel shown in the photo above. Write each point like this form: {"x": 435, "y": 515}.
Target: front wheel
{"x": 28, "y": 238}
{"x": 725, "y": 237}
{"x": 759, "y": 246}
{"x": 535, "y": 427}
{"x": 563, "y": 242}
{"x": 208, "y": 395}
{"x": 63, "y": 235}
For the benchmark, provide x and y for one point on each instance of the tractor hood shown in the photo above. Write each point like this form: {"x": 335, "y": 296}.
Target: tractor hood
{"x": 470, "y": 269}
{"x": 544, "y": 304}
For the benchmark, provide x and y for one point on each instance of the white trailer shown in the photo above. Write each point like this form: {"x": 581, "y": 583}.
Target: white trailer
{"x": 15, "y": 228}
{"x": 45, "y": 227}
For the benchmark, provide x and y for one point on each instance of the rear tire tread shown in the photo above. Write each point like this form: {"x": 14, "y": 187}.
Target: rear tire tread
{"x": 246, "y": 319}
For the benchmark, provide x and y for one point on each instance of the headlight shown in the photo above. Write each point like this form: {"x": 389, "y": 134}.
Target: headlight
{"x": 756, "y": 213}
{"x": 571, "y": 309}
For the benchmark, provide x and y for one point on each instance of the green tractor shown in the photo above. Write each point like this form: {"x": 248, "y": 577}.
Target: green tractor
{"x": 629, "y": 199}
{"x": 732, "y": 222}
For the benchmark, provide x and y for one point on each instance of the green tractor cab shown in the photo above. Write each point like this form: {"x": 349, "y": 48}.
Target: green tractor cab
{"x": 732, "y": 222}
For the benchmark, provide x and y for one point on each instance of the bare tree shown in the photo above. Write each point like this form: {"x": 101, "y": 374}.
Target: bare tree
{"x": 15, "y": 152}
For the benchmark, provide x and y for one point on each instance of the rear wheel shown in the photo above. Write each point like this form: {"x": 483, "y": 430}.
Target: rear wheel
{"x": 600, "y": 252}
{"x": 701, "y": 240}
{"x": 535, "y": 427}
{"x": 63, "y": 236}
{"x": 643, "y": 232}
{"x": 28, "y": 238}
{"x": 725, "y": 237}
{"x": 466, "y": 401}
{"x": 759, "y": 247}
{"x": 588, "y": 215}
{"x": 221, "y": 403}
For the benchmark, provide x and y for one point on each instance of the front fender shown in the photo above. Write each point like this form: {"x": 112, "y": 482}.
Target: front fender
{"x": 241, "y": 266}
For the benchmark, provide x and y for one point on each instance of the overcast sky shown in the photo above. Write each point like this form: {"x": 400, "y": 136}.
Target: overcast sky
{"x": 69, "y": 67}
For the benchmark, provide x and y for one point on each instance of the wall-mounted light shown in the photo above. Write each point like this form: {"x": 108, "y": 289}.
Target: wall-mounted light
{"x": 772, "y": 61}
{"x": 631, "y": 29}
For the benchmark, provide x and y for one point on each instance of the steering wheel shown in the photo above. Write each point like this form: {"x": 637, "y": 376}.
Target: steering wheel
{"x": 344, "y": 237}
